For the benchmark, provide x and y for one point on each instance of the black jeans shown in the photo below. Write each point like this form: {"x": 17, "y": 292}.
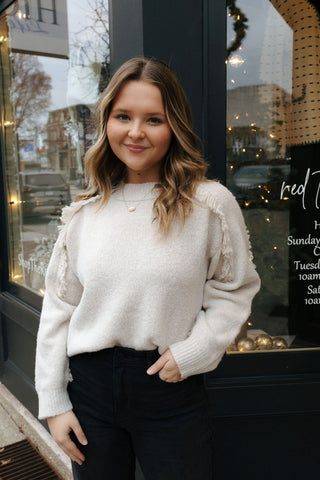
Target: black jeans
{"x": 126, "y": 413}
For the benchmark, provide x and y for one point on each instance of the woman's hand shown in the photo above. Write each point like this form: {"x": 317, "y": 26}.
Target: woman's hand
{"x": 167, "y": 368}
{"x": 60, "y": 426}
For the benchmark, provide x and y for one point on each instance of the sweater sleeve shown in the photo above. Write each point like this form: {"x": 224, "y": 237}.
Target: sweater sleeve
{"x": 52, "y": 365}
{"x": 230, "y": 286}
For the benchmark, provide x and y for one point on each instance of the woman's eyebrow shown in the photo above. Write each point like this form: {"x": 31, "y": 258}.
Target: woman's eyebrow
{"x": 124, "y": 110}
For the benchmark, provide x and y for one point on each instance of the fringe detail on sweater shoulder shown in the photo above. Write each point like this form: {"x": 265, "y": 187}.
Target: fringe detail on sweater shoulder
{"x": 66, "y": 217}
{"x": 205, "y": 194}
{"x": 69, "y": 211}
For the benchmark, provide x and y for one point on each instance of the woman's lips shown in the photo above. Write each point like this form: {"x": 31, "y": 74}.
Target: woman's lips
{"x": 135, "y": 148}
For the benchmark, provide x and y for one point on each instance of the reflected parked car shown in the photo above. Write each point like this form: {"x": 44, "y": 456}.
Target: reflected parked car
{"x": 259, "y": 184}
{"x": 43, "y": 193}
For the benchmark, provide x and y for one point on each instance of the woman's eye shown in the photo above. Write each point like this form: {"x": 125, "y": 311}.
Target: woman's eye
{"x": 122, "y": 116}
{"x": 154, "y": 120}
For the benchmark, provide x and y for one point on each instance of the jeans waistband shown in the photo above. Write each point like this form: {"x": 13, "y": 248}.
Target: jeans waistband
{"x": 122, "y": 355}
{"x": 131, "y": 353}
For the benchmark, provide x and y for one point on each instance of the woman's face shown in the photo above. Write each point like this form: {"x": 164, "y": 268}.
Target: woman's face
{"x": 138, "y": 131}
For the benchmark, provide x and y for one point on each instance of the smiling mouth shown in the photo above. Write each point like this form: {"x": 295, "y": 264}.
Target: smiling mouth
{"x": 135, "y": 148}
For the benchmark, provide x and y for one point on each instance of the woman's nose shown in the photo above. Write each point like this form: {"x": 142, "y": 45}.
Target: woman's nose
{"x": 136, "y": 130}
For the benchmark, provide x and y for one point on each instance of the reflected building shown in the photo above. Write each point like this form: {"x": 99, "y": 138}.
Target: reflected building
{"x": 69, "y": 135}
{"x": 258, "y": 123}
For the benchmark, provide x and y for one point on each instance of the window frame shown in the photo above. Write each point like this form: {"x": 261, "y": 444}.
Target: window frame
{"x": 287, "y": 364}
{"x": 4, "y": 254}
{"x": 6, "y": 285}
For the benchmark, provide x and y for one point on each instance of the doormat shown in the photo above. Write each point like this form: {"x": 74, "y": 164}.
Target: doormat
{"x": 20, "y": 461}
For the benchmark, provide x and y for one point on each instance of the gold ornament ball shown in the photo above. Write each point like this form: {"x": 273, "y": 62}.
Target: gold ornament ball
{"x": 246, "y": 344}
{"x": 279, "y": 342}
{"x": 263, "y": 342}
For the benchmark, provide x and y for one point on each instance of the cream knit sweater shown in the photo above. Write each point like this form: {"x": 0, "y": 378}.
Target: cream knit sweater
{"x": 113, "y": 280}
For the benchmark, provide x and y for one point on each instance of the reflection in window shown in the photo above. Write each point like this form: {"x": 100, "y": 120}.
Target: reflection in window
{"x": 55, "y": 63}
{"x": 272, "y": 136}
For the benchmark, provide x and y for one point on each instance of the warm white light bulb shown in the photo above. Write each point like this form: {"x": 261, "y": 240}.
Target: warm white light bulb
{"x": 236, "y": 61}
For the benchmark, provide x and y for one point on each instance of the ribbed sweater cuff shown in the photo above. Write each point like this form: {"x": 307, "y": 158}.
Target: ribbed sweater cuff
{"x": 53, "y": 402}
{"x": 189, "y": 357}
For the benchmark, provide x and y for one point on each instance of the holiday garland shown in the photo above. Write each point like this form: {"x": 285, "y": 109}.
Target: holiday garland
{"x": 240, "y": 25}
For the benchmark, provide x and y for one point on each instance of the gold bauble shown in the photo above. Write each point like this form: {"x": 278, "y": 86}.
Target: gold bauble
{"x": 263, "y": 342}
{"x": 279, "y": 342}
{"x": 246, "y": 344}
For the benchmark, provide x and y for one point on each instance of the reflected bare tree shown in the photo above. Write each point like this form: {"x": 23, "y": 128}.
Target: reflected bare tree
{"x": 96, "y": 33}
{"x": 30, "y": 93}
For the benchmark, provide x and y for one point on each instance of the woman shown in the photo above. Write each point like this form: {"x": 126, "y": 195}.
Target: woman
{"x": 150, "y": 281}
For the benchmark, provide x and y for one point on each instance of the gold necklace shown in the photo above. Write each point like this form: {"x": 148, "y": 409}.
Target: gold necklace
{"x": 133, "y": 208}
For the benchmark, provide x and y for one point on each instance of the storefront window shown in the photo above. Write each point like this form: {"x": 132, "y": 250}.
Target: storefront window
{"x": 273, "y": 166}
{"x": 54, "y": 63}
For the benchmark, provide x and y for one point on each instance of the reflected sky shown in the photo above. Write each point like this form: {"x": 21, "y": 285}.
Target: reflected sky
{"x": 266, "y": 50}
{"x": 66, "y": 75}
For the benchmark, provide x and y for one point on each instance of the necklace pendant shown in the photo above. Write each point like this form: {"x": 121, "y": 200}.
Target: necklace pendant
{"x": 132, "y": 209}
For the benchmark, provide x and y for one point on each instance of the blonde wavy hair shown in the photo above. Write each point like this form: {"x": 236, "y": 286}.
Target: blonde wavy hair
{"x": 183, "y": 166}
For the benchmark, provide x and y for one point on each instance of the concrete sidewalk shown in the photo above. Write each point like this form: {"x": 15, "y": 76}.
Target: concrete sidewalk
{"x": 17, "y": 423}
